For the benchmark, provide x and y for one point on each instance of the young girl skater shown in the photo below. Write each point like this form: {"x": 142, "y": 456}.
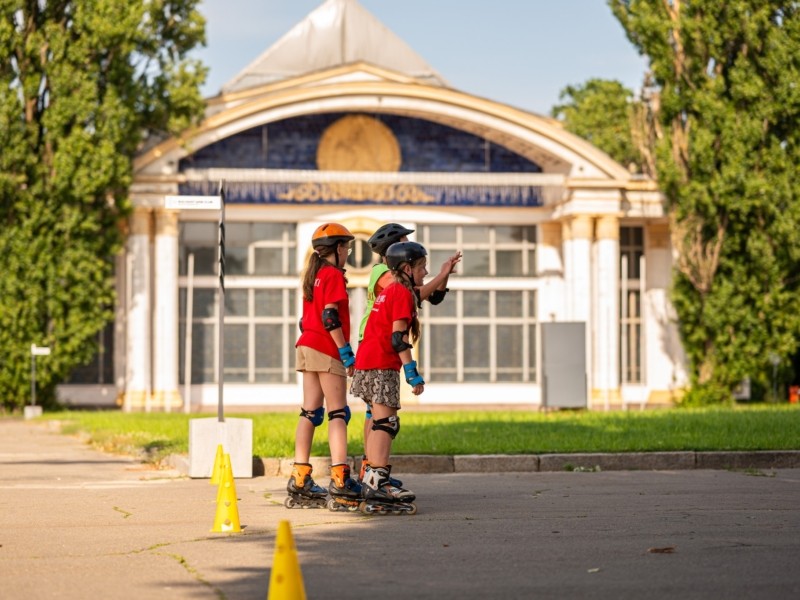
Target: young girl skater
{"x": 380, "y": 277}
{"x": 384, "y": 349}
{"x": 325, "y": 358}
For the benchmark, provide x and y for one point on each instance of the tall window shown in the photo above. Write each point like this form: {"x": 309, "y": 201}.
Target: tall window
{"x": 485, "y": 330}
{"x": 631, "y": 247}
{"x": 100, "y": 370}
{"x": 260, "y": 301}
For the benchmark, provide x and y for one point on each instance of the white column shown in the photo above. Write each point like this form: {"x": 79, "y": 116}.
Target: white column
{"x": 578, "y": 268}
{"x": 664, "y": 361}
{"x": 550, "y": 272}
{"x": 138, "y": 363}
{"x": 606, "y": 329}
{"x": 165, "y": 314}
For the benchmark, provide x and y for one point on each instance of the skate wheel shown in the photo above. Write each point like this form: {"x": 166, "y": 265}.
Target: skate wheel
{"x": 332, "y": 505}
{"x": 413, "y": 509}
{"x": 289, "y": 502}
{"x": 353, "y": 508}
{"x": 366, "y": 509}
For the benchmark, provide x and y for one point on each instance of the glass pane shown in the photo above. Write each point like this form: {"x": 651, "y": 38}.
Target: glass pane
{"x": 476, "y": 303}
{"x": 271, "y": 232}
{"x": 532, "y": 352}
{"x": 443, "y": 341}
{"x": 237, "y": 235}
{"x": 476, "y": 235}
{"x": 203, "y": 344}
{"x": 532, "y": 304}
{"x": 236, "y": 303}
{"x": 235, "y": 352}
{"x": 269, "y": 303}
{"x": 235, "y": 261}
{"x": 205, "y": 303}
{"x": 475, "y": 263}
{"x": 205, "y": 260}
{"x": 509, "y": 347}
{"x": 447, "y": 308}
{"x": 268, "y": 261}
{"x": 509, "y": 304}
{"x": 198, "y": 234}
{"x": 476, "y": 342}
{"x": 442, "y": 234}
{"x": 531, "y": 262}
{"x": 270, "y": 353}
{"x": 510, "y": 234}
{"x": 509, "y": 263}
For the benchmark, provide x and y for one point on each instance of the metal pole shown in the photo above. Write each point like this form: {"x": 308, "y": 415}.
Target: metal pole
{"x": 187, "y": 347}
{"x": 33, "y": 379}
{"x": 221, "y": 305}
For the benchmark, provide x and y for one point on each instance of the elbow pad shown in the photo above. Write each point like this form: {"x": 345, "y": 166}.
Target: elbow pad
{"x": 437, "y": 296}
{"x": 330, "y": 319}
{"x": 397, "y": 341}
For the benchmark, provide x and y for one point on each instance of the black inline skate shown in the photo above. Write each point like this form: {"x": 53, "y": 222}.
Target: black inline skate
{"x": 303, "y": 492}
{"x": 383, "y": 498}
{"x": 344, "y": 490}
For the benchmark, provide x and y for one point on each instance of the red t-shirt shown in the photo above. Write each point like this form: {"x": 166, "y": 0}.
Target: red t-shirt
{"x": 329, "y": 288}
{"x": 375, "y": 351}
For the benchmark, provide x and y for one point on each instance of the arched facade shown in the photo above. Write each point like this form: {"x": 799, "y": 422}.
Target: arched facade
{"x": 552, "y": 229}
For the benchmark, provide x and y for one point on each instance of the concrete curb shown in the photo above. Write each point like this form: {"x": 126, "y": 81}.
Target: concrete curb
{"x": 506, "y": 463}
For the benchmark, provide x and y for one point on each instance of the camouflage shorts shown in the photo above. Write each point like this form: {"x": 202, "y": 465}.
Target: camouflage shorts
{"x": 377, "y": 386}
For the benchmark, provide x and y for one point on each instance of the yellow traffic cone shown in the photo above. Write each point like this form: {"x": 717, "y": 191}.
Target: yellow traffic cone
{"x": 226, "y": 474}
{"x": 219, "y": 463}
{"x": 285, "y": 580}
{"x": 227, "y": 517}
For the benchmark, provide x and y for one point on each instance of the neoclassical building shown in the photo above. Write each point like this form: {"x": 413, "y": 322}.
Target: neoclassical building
{"x": 561, "y": 299}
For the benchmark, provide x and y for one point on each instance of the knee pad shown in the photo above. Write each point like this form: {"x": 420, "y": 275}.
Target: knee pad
{"x": 340, "y": 413}
{"x": 390, "y": 425}
{"x": 315, "y": 416}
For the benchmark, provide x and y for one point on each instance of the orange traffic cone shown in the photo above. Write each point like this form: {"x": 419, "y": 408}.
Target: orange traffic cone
{"x": 285, "y": 580}
{"x": 219, "y": 464}
{"x": 227, "y": 517}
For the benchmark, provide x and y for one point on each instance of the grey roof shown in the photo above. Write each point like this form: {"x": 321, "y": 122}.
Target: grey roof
{"x": 336, "y": 33}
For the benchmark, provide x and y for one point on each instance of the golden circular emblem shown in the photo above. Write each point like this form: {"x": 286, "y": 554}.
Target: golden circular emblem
{"x": 358, "y": 143}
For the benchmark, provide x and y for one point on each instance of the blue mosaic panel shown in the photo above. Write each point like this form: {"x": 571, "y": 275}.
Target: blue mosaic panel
{"x": 425, "y": 147}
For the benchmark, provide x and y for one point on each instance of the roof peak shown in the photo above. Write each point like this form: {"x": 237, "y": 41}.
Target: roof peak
{"x": 335, "y": 33}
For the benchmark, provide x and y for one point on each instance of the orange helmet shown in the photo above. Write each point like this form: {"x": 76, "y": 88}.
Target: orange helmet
{"x": 330, "y": 234}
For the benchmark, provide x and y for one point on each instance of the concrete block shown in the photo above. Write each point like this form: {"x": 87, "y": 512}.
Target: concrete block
{"x": 495, "y": 463}
{"x": 769, "y": 459}
{"x": 32, "y": 412}
{"x": 236, "y": 437}
{"x": 411, "y": 463}
{"x": 623, "y": 461}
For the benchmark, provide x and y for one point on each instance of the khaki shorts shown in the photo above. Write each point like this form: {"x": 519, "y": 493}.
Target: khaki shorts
{"x": 308, "y": 359}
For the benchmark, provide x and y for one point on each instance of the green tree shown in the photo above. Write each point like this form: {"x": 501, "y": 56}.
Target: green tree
{"x": 606, "y": 114}
{"x": 83, "y": 84}
{"x": 728, "y": 74}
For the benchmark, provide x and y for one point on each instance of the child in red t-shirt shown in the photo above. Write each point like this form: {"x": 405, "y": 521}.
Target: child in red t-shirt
{"x": 325, "y": 358}
{"x": 383, "y": 350}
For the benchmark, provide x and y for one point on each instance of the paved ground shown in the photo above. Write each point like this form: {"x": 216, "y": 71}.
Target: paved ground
{"x": 75, "y": 523}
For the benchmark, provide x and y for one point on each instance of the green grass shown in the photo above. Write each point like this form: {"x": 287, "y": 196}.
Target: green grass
{"x": 762, "y": 427}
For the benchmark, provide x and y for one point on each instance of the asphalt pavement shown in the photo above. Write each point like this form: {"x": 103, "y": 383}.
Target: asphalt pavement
{"x": 78, "y": 523}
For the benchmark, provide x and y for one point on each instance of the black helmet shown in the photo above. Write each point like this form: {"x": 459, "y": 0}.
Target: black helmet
{"x": 404, "y": 252}
{"x": 386, "y": 235}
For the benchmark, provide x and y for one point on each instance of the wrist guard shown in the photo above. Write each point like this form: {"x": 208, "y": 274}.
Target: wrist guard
{"x": 347, "y": 356}
{"x": 413, "y": 377}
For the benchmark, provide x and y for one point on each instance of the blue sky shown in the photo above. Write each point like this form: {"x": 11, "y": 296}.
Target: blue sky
{"x": 520, "y": 52}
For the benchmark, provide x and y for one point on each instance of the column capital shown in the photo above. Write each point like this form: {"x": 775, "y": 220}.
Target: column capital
{"x": 607, "y": 227}
{"x": 166, "y": 222}
{"x": 578, "y": 227}
{"x": 141, "y": 221}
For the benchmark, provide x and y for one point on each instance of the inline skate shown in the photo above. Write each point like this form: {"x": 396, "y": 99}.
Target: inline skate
{"x": 383, "y": 498}
{"x": 364, "y": 462}
{"x": 344, "y": 490}
{"x": 303, "y": 492}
